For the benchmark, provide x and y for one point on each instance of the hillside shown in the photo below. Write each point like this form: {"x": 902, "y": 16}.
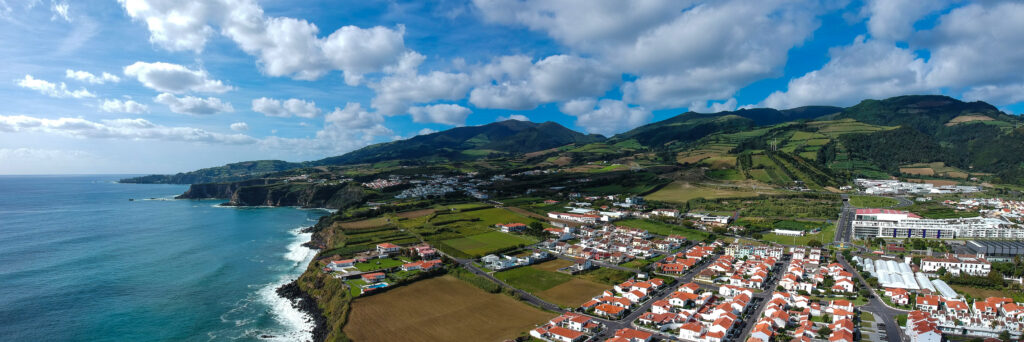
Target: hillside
{"x": 227, "y": 173}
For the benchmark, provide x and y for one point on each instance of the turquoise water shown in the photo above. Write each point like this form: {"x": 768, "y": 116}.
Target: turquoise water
{"x": 80, "y": 262}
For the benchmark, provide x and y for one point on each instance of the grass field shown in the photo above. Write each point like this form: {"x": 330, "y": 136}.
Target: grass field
{"x": 486, "y": 217}
{"x": 977, "y": 292}
{"x": 606, "y": 276}
{"x": 378, "y": 264}
{"x": 364, "y": 224}
{"x": 533, "y": 280}
{"x": 681, "y": 192}
{"x": 825, "y": 236}
{"x": 482, "y": 244}
{"x": 415, "y": 213}
{"x": 662, "y": 228}
{"x": 552, "y": 265}
{"x": 572, "y": 293}
{"x": 440, "y": 309}
{"x": 872, "y": 202}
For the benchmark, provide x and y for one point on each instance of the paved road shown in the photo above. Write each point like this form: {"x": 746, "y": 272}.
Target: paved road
{"x": 882, "y": 312}
{"x": 762, "y": 299}
{"x": 844, "y": 228}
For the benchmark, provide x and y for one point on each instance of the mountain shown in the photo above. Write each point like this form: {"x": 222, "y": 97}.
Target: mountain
{"x": 461, "y": 143}
{"x": 925, "y": 113}
{"x": 471, "y": 142}
{"x": 227, "y": 173}
{"x": 691, "y": 126}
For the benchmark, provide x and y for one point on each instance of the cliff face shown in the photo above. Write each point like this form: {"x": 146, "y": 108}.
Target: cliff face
{"x": 266, "y": 192}
{"x": 219, "y": 190}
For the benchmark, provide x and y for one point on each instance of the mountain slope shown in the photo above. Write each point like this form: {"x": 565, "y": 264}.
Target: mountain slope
{"x": 691, "y": 126}
{"x": 506, "y": 137}
{"x": 227, "y": 173}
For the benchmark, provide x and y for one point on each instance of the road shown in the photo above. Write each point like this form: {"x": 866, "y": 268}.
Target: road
{"x": 844, "y": 228}
{"x": 761, "y": 299}
{"x": 877, "y": 307}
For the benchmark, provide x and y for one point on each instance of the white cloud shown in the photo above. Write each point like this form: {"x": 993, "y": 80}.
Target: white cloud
{"x": 239, "y": 127}
{"x": 174, "y": 78}
{"x": 53, "y": 89}
{"x": 126, "y": 106}
{"x": 517, "y": 117}
{"x": 130, "y": 129}
{"x": 60, "y": 10}
{"x": 610, "y": 117}
{"x": 448, "y": 114}
{"x": 405, "y": 86}
{"x": 521, "y": 86}
{"x": 283, "y": 46}
{"x": 194, "y": 105}
{"x": 715, "y": 107}
{"x": 426, "y": 131}
{"x": 866, "y": 69}
{"x": 290, "y": 107}
{"x": 998, "y": 95}
{"x": 894, "y": 19}
{"x": 976, "y": 45}
{"x": 89, "y": 77}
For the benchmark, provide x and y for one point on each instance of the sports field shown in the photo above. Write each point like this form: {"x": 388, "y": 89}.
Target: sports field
{"x": 440, "y": 309}
{"x": 482, "y": 244}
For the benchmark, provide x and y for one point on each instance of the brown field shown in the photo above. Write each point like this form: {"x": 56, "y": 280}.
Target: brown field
{"x": 693, "y": 159}
{"x": 364, "y": 224}
{"x": 541, "y": 152}
{"x": 918, "y": 171}
{"x": 552, "y": 265}
{"x": 573, "y": 293}
{"x": 415, "y": 213}
{"x": 956, "y": 174}
{"x": 934, "y": 182}
{"x": 978, "y": 292}
{"x": 440, "y": 309}
{"x": 723, "y": 162}
{"x": 562, "y": 161}
{"x": 968, "y": 118}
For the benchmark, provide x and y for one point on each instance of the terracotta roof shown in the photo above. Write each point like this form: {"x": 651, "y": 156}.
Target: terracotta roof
{"x": 569, "y": 333}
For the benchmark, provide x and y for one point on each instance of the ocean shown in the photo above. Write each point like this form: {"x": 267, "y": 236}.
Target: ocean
{"x": 80, "y": 262}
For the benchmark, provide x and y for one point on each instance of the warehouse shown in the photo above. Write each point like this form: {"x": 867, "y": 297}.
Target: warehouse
{"x": 997, "y": 251}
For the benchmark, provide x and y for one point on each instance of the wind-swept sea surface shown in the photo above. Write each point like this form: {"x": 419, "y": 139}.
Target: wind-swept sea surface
{"x": 80, "y": 262}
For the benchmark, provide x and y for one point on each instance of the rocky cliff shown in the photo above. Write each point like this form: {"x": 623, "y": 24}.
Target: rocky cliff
{"x": 268, "y": 192}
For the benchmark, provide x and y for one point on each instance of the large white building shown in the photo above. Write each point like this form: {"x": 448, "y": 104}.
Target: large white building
{"x": 956, "y": 263}
{"x": 871, "y": 223}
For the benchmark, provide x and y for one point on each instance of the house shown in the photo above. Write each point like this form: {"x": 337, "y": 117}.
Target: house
{"x": 425, "y": 251}
{"x": 898, "y": 296}
{"x": 633, "y": 335}
{"x": 339, "y": 265}
{"x": 691, "y": 331}
{"x": 565, "y": 335}
{"x": 921, "y": 327}
{"x": 373, "y": 277}
{"x": 843, "y": 285}
{"x": 635, "y": 296}
{"x": 422, "y": 265}
{"x": 840, "y": 336}
{"x": 387, "y": 248}
{"x": 609, "y": 310}
{"x": 512, "y": 227}
{"x": 928, "y": 302}
{"x": 665, "y": 212}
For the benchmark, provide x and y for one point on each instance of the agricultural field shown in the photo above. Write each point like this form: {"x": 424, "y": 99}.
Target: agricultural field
{"x": 825, "y": 236}
{"x": 661, "y": 228}
{"x": 486, "y": 243}
{"x": 363, "y": 224}
{"x": 415, "y": 213}
{"x": 782, "y": 206}
{"x": 440, "y": 309}
{"x": 532, "y": 279}
{"x": 545, "y": 282}
{"x": 682, "y": 192}
{"x": 936, "y": 169}
{"x": 872, "y": 202}
{"x": 572, "y": 293}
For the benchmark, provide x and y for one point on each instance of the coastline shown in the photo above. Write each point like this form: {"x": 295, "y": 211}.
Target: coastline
{"x": 302, "y": 301}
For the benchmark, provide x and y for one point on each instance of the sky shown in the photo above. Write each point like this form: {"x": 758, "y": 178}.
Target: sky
{"x": 166, "y": 86}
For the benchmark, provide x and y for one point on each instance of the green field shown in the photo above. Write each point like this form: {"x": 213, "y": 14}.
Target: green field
{"x": 661, "y": 228}
{"x": 681, "y": 192}
{"x": 378, "y": 264}
{"x": 531, "y": 279}
{"x": 872, "y": 202}
{"x": 825, "y": 236}
{"x": 486, "y": 243}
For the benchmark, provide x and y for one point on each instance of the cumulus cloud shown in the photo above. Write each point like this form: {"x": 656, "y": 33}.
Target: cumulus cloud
{"x": 868, "y": 68}
{"x": 517, "y": 85}
{"x": 610, "y": 116}
{"x": 448, "y": 114}
{"x": 283, "y": 46}
{"x": 976, "y": 45}
{"x": 59, "y": 90}
{"x": 894, "y": 19}
{"x": 174, "y": 78}
{"x": 89, "y": 77}
{"x": 713, "y": 107}
{"x": 290, "y": 107}
{"x": 426, "y": 131}
{"x": 405, "y": 86}
{"x": 239, "y": 127}
{"x": 194, "y": 105}
{"x": 130, "y": 129}
{"x": 517, "y": 117}
{"x": 126, "y": 106}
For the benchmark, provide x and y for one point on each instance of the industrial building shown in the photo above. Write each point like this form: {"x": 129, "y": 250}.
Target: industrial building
{"x": 997, "y": 251}
{"x": 872, "y": 223}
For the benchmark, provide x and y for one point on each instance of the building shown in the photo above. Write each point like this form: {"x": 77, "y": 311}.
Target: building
{"x": 921, "y": 327}
{"x": 665, "y": 212}
{"x": 387, "y": 248}
{"x": 956, "y": 263}
{"x": 997, "y": 251}
{"x": 373, "y": 277}
{"x": 871, "y": 223}
{"x": 512, "y": 227}
{"x": 581, "y": 218}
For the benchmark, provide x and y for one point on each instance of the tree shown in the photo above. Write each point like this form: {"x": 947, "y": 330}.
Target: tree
{"x": 1005, "y": 335}
{"x": 720, "y": 230}
{"x": 941, "y": 271}
{"x": 814, "y": 243}
{"x": 824, "y": 332}
{"x": 535, "y": 228}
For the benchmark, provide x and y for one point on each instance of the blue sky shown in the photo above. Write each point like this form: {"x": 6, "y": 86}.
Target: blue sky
{"x": 148, "y": 86}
